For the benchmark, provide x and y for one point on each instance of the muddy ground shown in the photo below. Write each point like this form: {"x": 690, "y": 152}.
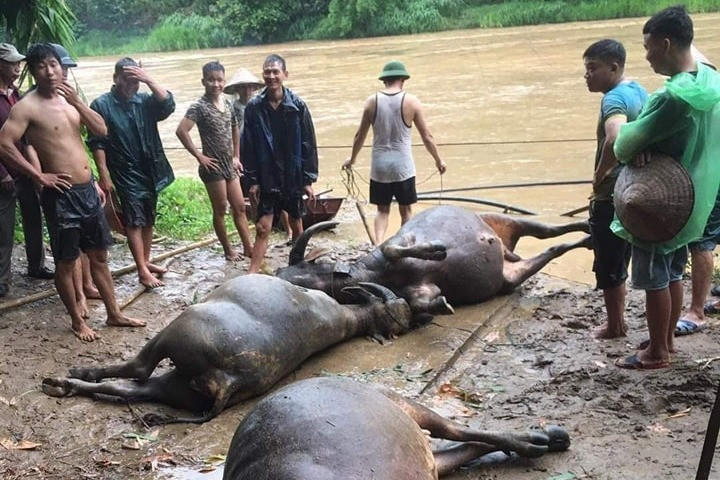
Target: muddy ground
{"x": 522, "y": 360}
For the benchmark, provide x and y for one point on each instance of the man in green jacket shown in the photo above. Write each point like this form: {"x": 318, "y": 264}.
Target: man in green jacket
{"x": 132, "y": 156}
{"x": 677, "y": 120}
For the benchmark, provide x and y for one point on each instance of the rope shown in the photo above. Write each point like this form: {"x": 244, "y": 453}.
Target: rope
{"x": 457, "y": 144}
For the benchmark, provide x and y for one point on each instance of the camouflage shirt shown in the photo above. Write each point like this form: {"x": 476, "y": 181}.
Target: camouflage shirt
{"x": 215, "y": 128}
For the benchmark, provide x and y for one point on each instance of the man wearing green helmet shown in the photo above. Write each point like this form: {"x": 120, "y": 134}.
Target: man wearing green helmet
{"x": 392, "y": 112}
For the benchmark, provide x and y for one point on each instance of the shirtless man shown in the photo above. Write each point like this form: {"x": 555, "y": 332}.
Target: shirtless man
{"x": 50, "y": 116}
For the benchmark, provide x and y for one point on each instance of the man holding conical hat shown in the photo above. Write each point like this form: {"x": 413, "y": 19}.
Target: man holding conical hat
{"x": 392, "y": 112}
{"x": 675, "y": 125}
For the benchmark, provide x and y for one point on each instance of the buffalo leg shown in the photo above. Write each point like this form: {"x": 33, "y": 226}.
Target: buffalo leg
{"x": 403, "y": 247}
{"x": 510, "y": 229}
{"x": 529, "y": 444}
{"x": 515, "y": 273}
{"x": 139, "y": 367}
{"x": 171, "y": 389}
{"x": 451, "y": 459}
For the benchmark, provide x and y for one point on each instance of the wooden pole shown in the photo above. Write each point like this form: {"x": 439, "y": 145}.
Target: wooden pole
{"x": 361, "y": 211}
{"x": 17, "y": 302}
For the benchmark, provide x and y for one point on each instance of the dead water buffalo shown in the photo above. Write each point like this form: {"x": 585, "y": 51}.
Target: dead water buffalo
{"x": 249, "y": 333}
{"x": 443, "y": 254}
{"x": 332, "y": 428}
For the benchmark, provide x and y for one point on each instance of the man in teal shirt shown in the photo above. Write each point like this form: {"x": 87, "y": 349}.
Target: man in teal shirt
{"x": 132, "y": 156}
{"x": 679, "y": 120}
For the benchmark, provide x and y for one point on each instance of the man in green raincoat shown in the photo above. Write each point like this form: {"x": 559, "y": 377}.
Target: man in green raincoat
{"x": 679, "y": 120}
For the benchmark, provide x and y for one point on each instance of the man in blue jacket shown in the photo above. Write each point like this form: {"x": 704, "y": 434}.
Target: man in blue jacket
{"x": 279, "y": 155}
{"x": 132, "y": 156}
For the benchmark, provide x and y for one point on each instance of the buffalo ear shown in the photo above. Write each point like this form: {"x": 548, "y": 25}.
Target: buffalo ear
{"x": 359, "y": 293}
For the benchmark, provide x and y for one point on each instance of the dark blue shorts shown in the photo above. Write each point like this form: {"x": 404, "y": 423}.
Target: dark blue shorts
{"x": 383, "y": 193}
{"x": 75, "y": 220}
{"x": 711, "y": 234}
{"x": 138, "y": 212}
{"x": 274, "y": 202}
{"x": 612, "y": 253}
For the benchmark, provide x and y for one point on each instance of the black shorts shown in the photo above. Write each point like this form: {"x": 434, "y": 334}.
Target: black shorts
{"x": 273, "y": 203}
{"x": 75, "y": 220}
{"x": 612, "y": 253}
{"x": 138, "y": 212}
{"x": 404, "y": 192}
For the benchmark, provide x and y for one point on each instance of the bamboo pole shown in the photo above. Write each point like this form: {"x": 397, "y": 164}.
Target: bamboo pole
{"x": 508, "y": 185}
{"x": 477, "y": 200}
{"x": 361, "y": 211}
{"x": 18, "y": 302}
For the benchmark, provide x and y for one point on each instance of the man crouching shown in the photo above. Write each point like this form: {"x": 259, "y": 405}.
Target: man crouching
{"x": 50, "y": 116}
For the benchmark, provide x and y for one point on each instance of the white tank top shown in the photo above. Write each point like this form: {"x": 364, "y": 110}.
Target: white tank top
{"x": 392, "y": 159}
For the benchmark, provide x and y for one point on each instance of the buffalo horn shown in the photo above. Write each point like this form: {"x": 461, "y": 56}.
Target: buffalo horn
{"x": 383, "y": 292}
{"x": 297, "y": 254}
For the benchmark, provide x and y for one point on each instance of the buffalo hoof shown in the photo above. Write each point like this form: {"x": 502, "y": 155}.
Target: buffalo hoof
{"x": 154, "y": 419}
{"x": 559, "y": 438}
{"x": 56, "y": 387}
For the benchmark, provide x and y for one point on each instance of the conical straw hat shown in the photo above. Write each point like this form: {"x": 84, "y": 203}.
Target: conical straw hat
{"x": 242, "y": 77}
{"x": 654, "y": 202}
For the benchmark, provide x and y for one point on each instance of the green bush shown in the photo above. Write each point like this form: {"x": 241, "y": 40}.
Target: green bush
{"x": 184, "y": 210}
{"x": 187, "y": 32}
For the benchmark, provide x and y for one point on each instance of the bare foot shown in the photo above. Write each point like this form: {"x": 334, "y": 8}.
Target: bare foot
{"x": 150, "y": 281}
{"x": 233, "y": 256}
{"x": 159, "y": 270}
{"x": 91, "y": 292}
{"x": 82, "y": 308}
{"x": 605, "y": 332}
{"x": 124, "y": 321}
{"x": 84, "y": 333}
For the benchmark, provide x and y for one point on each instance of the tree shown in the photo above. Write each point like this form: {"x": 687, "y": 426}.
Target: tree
{"x": 360, "y": 18}
{"x": 37, "y": 20}
{"x": 264, "y": 21}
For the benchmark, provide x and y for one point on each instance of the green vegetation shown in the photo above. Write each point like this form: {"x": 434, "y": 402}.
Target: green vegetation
{"x": 528, "y": 12}
{"x": 156, "y": 25}
{"x": 184, "y": 210}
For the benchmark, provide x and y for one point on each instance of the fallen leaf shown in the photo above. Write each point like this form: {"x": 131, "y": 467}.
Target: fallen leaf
{"x": 6, "y": 443}
{"x": 600, "y": 364}
{"x": 134, "y": 445}
{"x": 10, "y": 403}
{"x": 207, "y": 469}
{"x": 447, "y": 388}
{"x": 216, "y": 458}
{"x": 26, "y": 445}
{"x": 21, "y": 445}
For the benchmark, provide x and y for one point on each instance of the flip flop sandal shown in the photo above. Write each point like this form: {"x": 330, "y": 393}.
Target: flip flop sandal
{"x": 634, "y": 363}
{"x": 711, "y": 309}
{"x": 686, "y": 327}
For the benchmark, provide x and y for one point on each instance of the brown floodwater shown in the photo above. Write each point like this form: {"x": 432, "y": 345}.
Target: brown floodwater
{"x": 506, "y": 106}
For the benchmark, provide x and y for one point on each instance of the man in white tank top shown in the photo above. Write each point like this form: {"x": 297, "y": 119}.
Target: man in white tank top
{"x": 392, "y": 112}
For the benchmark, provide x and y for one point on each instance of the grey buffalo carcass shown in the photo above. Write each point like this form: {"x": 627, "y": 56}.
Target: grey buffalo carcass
{"x": 248, "y": 334}
{"x": 335, "y": 428}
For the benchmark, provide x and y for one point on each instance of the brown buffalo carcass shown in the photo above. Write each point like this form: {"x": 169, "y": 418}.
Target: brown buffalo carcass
{"x": 444, "y": 255}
